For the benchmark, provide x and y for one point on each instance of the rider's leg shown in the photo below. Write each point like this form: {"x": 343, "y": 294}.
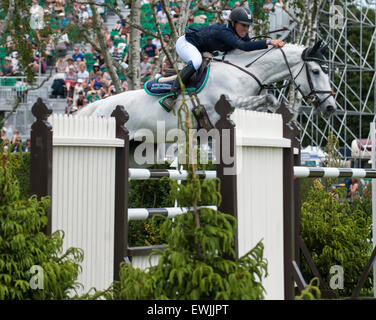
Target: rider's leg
{"x": 190, "y": 54}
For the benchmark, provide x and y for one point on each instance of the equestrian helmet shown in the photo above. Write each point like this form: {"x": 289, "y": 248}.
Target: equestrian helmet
{"x": 242, "y": 15}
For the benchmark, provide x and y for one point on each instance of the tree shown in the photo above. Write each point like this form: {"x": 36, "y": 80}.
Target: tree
{"x": 24, "y": 248}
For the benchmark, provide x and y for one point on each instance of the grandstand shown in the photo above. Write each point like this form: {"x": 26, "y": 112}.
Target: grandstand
{"x": 11, "y": 87}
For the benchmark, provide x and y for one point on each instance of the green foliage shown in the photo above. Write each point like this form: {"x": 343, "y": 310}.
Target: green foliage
{"x": 311, "y": 291}
{"x": 20, "y": 162}
{"x": 194, "y": 264}
{"x": 23, "y": 245}
{"x": 336, "y": 234}
{"x": 199, "y": 262}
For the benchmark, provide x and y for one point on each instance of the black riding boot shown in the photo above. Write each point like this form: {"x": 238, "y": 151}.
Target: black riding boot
{"x": 185, "y": 75}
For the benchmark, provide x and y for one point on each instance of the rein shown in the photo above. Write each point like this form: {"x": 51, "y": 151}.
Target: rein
{"x": 311, "y": 95}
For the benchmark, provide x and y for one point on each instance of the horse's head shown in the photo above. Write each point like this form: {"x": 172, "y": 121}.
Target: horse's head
{"x": 313, "y": 80}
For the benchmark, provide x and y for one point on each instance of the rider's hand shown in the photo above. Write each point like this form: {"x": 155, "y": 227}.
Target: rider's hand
{"x": 277, "y": 43}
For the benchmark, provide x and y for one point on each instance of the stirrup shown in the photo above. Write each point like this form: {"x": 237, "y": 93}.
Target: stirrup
{"x": 168, "y": 102}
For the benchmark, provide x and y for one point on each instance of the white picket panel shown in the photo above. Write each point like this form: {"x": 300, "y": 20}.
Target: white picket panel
{"x": 143, "y": 262}
{"x": 260, "y": 143}
{"x": 83, "y": 192}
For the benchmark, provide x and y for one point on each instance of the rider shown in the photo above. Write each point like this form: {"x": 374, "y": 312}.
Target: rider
{"x": 218, "y": 37}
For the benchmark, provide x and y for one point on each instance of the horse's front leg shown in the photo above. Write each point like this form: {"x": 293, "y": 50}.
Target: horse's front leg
{"x": 256, "y": 103}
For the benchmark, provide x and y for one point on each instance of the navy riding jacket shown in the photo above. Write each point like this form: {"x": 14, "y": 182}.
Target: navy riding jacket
{"x": 221, "y": 37}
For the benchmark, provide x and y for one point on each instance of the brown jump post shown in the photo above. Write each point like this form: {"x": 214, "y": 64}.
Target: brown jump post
{"x": 121, "y": 190}
{"x": 41, "y": 156}
{"x": 228, "y": 187}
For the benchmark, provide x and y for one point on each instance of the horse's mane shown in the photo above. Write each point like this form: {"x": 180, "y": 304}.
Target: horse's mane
{"x": 237, "y": 53}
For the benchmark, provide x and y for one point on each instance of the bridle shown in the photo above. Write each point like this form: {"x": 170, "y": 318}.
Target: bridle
{"x": 312, "y": 95}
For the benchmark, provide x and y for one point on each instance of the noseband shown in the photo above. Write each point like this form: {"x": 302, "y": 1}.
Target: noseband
{"x": 312, "y": 95}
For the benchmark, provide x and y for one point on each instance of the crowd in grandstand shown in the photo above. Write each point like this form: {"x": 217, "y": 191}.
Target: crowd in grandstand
{"x": 82, "y": 77}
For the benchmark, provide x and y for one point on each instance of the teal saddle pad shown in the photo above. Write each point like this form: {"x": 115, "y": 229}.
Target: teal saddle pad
{"x": 159, "y": 89}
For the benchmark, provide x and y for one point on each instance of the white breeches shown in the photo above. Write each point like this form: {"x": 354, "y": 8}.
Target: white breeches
{"x": 188, "y": 52}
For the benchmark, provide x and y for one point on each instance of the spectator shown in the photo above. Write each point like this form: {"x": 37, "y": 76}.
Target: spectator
{"x": 62, "y": 20}
{"x": 124, "y": 85}
{"x": 122, "y": 46}
{"x": 69, "y": 106}
{"x": 116, "y": 54}
{"x": 279, "y": 3}
{"x": 7, "y": 68}
{"x": 16, "y": 135}
{"x": 62, "y": 43}
{"x": 4, "y": 137}
{"x": 86, "y": 102}
{"x": 15, "y": 62}
{"x": 77, "y": 54}
{"x": 101, "y": 61}
{"x": 61, "y": 65}
{"x": 269, "y": 6}
{"x": 199, "y": 18}
{"x": 28, "y": 145}
{"x": 97, "y": 83}
{"x": 83, "y": 74}
{"x": 80, "y": 100}
{"x": 37, "y": 63}
{"x": 70, "y": 81}
{"x": 59, "y": 7}
{"x": 49, "y": 52}
{"x": 110, "y": 47}
{"x": 36, "y": 17}
{"x": 119, "y": 25}
{"x": 124, "y": 63}
{"x": 84, "y": 15}
{"x": 78, "y": 88}
{"x": 107, "y": 76}
{"x": 71, "y": 64}
{"x": 145, "y": 67}
{"x": 175, "y": 18}
{"x": 94, "y": 53}
{"x": 162, "y": 17}
{"x": 58, "y": 86}
{"x": 93, "y": 73}
{"x": 167, "y": 69}
{"x": 124, "y": 31}
{"x": 17, "y": 145}
{"x": 354, "y": 187}
{"x": 166, "y": 41}
{"x": 157, "y": 44}
{"x": 107, "y": 35}
{"x": 150, "y": 49}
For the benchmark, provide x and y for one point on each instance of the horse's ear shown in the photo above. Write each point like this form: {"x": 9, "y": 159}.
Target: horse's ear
{"x": 316, "y": 46}
{"x": 322, "y": 50}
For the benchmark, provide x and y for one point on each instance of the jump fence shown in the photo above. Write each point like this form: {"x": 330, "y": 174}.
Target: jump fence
{"x": 83, "y": 164}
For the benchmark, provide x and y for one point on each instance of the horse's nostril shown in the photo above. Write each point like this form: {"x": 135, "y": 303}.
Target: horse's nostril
{"x": 330, "y": 109}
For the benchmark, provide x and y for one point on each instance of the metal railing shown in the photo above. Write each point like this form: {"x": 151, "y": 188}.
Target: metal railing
{"x": 10, "y": 89}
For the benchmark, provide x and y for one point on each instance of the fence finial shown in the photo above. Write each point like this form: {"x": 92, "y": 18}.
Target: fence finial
{"x": 224, "y": 109}
{"x": 40, "y": 110}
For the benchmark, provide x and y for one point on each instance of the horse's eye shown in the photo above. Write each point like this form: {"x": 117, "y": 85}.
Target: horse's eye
{"x": 315, "y": 71}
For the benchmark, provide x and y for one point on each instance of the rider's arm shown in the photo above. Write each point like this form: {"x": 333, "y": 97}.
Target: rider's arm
{"x": 234, "y": 41}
